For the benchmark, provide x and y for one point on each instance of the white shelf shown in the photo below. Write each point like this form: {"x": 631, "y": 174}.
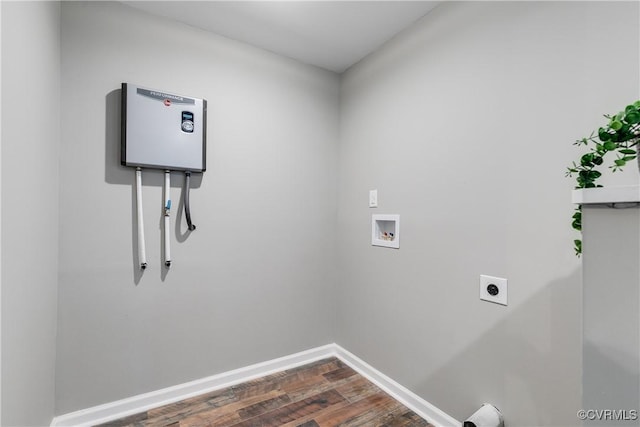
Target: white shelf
{"x": 606, "y": 195}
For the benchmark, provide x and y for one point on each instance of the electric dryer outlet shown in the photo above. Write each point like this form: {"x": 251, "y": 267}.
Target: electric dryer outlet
{"x": 493, "y": 289}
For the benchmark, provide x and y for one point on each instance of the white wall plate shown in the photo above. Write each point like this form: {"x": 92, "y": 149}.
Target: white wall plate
{"x": 493, "y": 289}
{"x": 385, "y": 231}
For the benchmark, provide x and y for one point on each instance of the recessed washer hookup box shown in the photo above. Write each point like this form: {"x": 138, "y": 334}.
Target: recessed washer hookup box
{"x": 162, "y": 130}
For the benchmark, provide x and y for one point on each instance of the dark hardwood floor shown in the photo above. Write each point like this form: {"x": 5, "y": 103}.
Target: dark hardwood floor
{"x": 321, "y": 394}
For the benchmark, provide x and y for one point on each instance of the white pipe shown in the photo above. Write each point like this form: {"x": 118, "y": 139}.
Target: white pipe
{"x": 142, "y": 255}
{"x": 167, "y": 218}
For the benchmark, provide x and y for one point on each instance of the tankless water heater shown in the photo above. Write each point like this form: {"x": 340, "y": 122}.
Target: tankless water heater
{"x": 162, "y": 130}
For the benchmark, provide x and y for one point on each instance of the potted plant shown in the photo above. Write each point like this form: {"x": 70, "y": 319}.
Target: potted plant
{"x": 620, "y": 135}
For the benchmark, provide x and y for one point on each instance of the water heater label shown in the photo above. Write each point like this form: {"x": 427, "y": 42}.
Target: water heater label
{"x": 161, "y": 96}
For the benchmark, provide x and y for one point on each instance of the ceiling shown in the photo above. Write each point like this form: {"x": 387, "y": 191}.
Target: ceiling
{"x": 329, "y": 34}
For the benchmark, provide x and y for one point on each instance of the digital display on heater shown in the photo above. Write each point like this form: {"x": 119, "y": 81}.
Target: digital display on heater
{"x": 187, "y": 122}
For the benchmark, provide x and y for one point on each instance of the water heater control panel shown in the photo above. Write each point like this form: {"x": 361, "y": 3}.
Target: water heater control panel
{"x": 162, "y": 130}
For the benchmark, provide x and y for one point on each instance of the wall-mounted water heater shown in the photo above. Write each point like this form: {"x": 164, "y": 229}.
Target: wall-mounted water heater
{"x": 162, "y": 130}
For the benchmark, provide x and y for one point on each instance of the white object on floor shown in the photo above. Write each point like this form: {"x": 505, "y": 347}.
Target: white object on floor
{"x": 487, "y": 416}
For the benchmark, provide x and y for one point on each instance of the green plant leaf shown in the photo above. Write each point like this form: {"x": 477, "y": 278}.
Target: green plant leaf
{"x": 597, "y": 160}
{"x": 637, "y": 104}
{"x": 590, "y": 174}
{"x": 624, "y": 130}
{"x": 628, "y": 158}
{"x": 633, "y": 117}
{"x": 627, "y": 151}
{"x": 587, "y": 159}
{"x": 603, "y": 135}
{"x": 577, "y": 245}
{"x": 610, "y": 145}
{"x": 620, "y": 162}
{"x": 616, "y": 125}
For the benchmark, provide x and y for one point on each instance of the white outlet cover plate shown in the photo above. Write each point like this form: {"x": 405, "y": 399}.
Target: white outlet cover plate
{"x": 373, "y": 198}
{"x": 501, "y": 283}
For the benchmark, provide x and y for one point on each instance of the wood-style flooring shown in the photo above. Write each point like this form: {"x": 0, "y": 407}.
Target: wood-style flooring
{"x": 321, "y": 394}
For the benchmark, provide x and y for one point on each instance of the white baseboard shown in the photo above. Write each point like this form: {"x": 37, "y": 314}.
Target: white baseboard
{"x": 402, "y": 394}
{"x": 140, "y": 403}
{"x": 143, "y": 402}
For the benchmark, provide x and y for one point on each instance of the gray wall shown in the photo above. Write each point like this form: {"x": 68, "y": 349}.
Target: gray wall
{"x": 464, "y": 124}
{"x": 611, "y": 353}
{"x": 255, "y": 280}
{"x": 30, "y": 144}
